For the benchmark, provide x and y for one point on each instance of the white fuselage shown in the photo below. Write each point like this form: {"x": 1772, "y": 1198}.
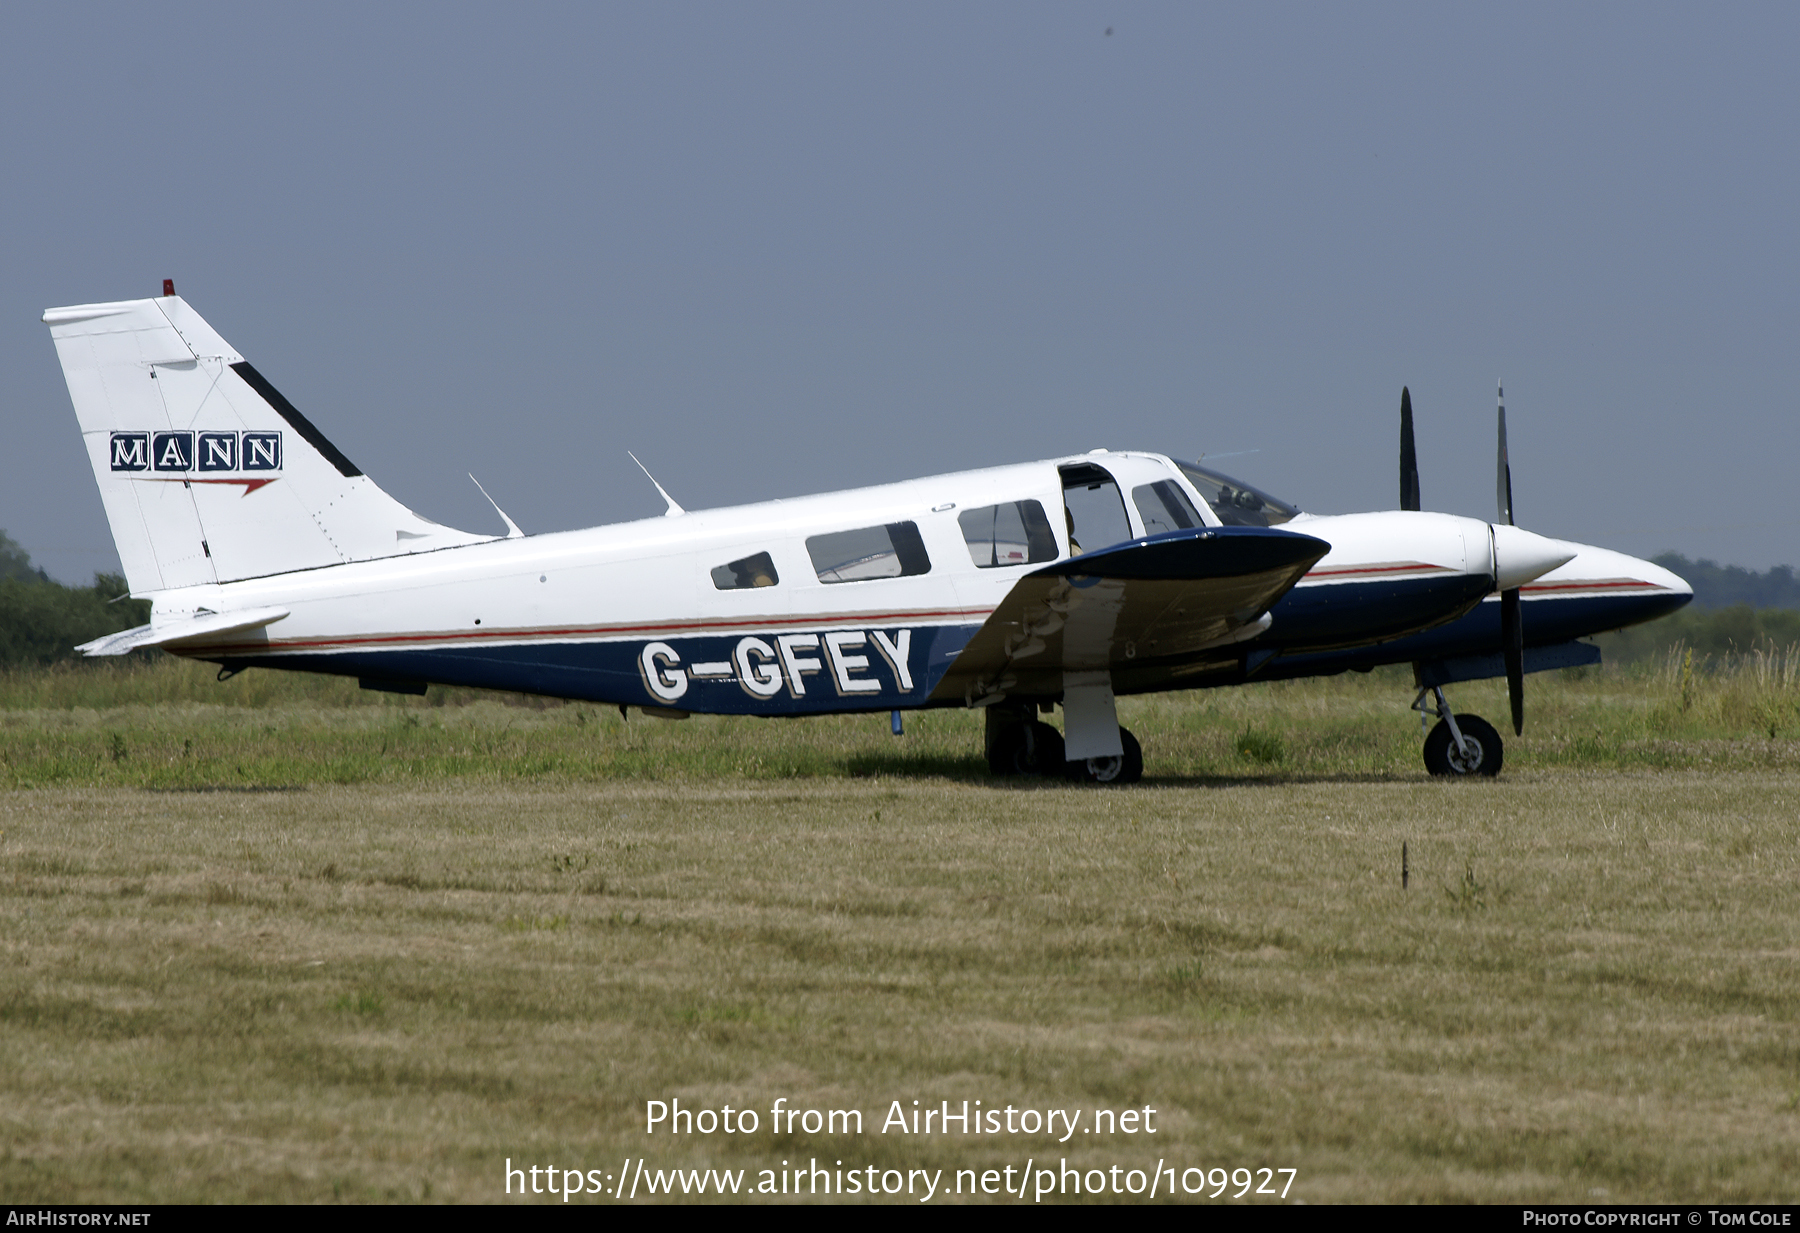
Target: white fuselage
{"x": 588, "y": 603}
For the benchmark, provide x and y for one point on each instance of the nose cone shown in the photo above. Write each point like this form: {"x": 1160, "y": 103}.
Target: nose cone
{"x": 1600, "y": 590}
{"x": 1665, "y": 579}
{"x": 1521, "y": 556}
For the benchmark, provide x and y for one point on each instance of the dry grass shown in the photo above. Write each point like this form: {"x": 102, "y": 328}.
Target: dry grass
{"x": 384, "y": 990}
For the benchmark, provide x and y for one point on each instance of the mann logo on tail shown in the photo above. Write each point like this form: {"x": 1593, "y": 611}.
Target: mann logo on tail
{"x": 186, "y": 451}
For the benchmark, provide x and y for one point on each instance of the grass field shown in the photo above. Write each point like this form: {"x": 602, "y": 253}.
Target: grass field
{"x": 312, "y": 944}
{"x": 166, "y": 723}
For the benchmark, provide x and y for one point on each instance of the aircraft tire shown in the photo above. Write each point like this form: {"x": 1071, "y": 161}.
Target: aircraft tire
{"x": 1048, "y": 750}
{"x": 1005, "y": 753}
{"x": 1028, "y": 749}
{"x": 1442, "y": 758}
{"x": 1128, "y": 767}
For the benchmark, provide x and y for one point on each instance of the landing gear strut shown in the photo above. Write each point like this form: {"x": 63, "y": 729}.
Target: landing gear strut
{"x": 1459, "y": 744}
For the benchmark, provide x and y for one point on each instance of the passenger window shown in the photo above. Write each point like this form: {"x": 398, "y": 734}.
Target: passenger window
{"x": 1164, "y": 507}
{"x": 891, "y": 551}
{"x": 754, "y": 571}
{"x": 1015, "y": 533}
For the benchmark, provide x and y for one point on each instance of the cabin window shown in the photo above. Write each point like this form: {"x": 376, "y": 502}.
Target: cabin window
{"x": 1012, "y": 533}
{"x": 891, "y": 551}
{"x": 747, "y": 572}
{"x": 1164, "y": 507}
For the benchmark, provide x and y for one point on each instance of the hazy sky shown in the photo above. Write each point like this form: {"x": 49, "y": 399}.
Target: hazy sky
{"x": 783, "y": 248}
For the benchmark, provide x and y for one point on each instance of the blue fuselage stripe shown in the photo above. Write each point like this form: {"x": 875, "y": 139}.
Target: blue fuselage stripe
{"x": 775, "y": 672}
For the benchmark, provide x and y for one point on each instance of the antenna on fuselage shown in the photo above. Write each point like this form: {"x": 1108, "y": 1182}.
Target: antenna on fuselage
{"x": 512, "y": 528}
{"x": 674, "y": 510}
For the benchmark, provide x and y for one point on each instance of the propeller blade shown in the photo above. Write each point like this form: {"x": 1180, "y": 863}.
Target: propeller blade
{"x": 1503, "y": 479}
{"x": 1512, "y": 640}
{"x": 1409, "y": 457}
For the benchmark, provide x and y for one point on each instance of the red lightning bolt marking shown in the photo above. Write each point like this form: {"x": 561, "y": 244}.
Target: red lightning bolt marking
{"x": 250, "y": 485}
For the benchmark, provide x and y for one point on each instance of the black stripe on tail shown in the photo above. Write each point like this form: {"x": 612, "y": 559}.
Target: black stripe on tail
{"x": 291, "y": 414}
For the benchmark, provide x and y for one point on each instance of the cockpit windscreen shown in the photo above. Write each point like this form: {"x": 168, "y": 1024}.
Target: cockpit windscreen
{"x": 1237, "y": 504}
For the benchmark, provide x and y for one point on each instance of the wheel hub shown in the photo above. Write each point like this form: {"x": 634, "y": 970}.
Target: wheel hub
{"x": 1104, "y": 770}
{"x": 1465, "y": 759}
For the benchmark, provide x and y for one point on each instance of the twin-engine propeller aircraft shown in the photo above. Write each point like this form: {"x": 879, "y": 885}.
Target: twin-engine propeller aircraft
{"x": 1011, "y": 589}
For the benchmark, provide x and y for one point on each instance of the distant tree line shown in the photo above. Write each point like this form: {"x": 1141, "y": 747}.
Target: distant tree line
{"x": 42, "y": 621}
{"x": 1727, "y": 586}
{"x": 1715, "y": 632}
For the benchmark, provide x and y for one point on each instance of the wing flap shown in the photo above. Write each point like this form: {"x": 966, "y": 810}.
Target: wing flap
{"x": 1165, "y": 600}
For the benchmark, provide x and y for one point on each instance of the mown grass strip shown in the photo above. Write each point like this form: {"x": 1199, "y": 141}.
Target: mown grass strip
{"x": 382, "y": 991}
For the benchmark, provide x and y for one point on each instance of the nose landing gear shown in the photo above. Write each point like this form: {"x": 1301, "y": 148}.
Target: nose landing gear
{"x": 1459, "y": 744}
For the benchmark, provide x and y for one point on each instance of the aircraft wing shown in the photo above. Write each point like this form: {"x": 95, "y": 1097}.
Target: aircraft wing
{"x": 1161, "y": 600}
{"x": 200, "y": 625}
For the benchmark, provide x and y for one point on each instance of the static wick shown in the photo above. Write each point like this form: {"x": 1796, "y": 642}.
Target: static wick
{"x": 1403, "y": 864}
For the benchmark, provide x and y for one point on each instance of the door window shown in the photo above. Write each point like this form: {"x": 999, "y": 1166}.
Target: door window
{"x": 1012, "y": 533}
{"x": 1164, "y": 507}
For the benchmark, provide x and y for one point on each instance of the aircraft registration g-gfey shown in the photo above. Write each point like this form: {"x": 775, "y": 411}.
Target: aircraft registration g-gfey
{"x": 1013, "y": 589}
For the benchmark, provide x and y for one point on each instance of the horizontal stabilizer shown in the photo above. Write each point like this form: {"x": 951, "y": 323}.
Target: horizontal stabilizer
{"x": 1162, "y": 600}
{"x": 202, "y": 625}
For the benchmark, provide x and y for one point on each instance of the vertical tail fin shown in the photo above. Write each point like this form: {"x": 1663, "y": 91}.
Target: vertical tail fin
{"x": 209, "y": 474}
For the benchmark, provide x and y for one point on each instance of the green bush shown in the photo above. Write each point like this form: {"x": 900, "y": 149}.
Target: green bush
{"x": 1714, "y": 635}
{"x": 42, "y": 621}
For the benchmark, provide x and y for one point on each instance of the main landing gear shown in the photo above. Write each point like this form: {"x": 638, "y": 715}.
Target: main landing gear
{"x": 1128, "y": 767}
{"x": 1459, "y": 744}
{"x": 1018, "y": 744}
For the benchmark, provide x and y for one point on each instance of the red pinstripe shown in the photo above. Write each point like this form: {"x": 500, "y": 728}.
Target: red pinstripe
{"x": 596, "y": 631}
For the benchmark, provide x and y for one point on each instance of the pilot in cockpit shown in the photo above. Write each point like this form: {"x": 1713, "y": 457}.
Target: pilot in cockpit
{"x": 1235, "y": 502}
